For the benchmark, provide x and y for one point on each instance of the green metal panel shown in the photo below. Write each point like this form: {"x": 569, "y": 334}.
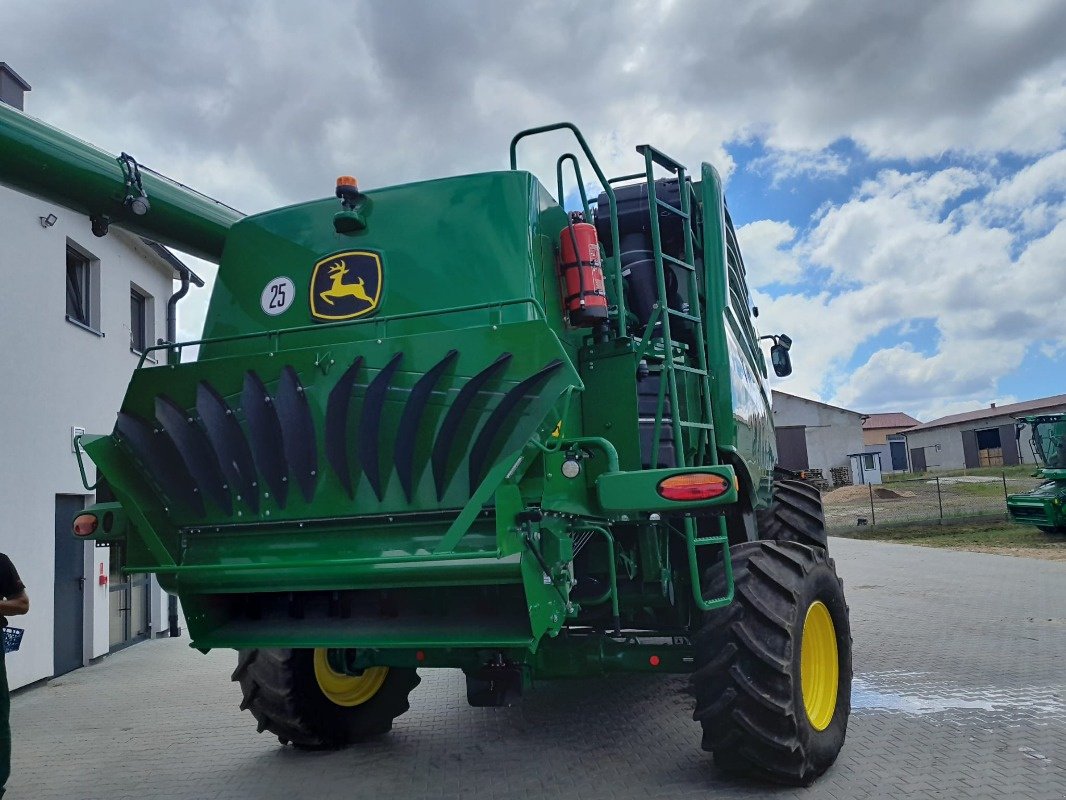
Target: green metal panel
{"x": 740, "y": 396}
{"x": 44, "y": 161}
{"x": 444, "y": 244}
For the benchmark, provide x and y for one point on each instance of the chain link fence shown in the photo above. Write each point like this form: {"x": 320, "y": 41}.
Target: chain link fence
{"x": 917, "y": 500}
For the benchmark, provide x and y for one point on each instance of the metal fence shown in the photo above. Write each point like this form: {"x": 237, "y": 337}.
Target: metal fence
{"x": 917, "y": 500}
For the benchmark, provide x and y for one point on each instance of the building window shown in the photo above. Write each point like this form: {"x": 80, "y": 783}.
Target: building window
{"x": 83, "y": 289}
{"x": 868, "y": 462}
{"x": 79, "y": 288}
{"x": 138, "y": 321}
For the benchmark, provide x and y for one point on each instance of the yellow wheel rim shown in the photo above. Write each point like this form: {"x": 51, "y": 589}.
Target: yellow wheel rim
{"x": 347, "y": 690}
{"x": 819, "y": 666}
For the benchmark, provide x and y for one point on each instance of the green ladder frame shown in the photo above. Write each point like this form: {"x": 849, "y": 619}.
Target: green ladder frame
{"x": 671, "y": 360}
{"x": 706, "y": 452}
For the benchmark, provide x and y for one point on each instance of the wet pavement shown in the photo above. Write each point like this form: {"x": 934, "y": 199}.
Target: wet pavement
{"x": 959, "y": 693}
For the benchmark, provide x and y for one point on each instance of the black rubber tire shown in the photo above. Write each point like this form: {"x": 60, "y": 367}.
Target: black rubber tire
{"x": 281, "y": 691}
{"x": 747, "y": 681}
{"x": 795, "y": 515}
{"x": 1060, "y": 529}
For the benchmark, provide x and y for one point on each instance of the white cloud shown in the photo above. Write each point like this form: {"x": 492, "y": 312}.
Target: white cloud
{"x": 765, "y": 243}
{"x": 783, "y": 165}
{"x": 897, "y": 258}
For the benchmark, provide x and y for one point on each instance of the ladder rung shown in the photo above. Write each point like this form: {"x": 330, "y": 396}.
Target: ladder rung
{"x": 702, "y": 541}
{"x": 660, "y": 158}
{"x": 687, "y": 368}
{"x": 671, "y": 208}
{"x": 703, "y": 426}
{"x": 679, "y": 262}
{"x": 682, "y": 315}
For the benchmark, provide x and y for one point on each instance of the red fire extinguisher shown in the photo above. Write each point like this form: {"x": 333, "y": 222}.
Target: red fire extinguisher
{"x": 581, "y": 273}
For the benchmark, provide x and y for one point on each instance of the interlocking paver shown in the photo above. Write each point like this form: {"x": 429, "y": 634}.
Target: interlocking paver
{"x": 959, "y": 694}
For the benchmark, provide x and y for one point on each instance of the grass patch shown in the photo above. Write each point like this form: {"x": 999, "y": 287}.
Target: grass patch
{"x": 974, "y": 534}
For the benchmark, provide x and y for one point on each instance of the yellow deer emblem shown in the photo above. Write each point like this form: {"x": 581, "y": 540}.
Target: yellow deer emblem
{"x": 338, "y": 288}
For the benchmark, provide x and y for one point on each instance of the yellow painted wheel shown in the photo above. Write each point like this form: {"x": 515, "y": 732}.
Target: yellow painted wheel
{"x": 347, "y": 690}
{"x": 819, "y": 666}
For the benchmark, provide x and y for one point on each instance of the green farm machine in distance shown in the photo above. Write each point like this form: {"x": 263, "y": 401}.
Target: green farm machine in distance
{"x": 1044, "y": 506}
{"x": 449, "y": 424}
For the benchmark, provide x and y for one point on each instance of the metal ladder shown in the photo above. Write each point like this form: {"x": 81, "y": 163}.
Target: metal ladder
{"x": 671, "y": 358}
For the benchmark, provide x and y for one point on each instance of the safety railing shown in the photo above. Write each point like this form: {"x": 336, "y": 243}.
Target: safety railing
{"x": 382, "y": 322}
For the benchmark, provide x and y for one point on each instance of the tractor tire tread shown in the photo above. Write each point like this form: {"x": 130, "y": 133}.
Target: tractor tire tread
{"x": 795, "y": 515}
{"x": 752, "y": 714}
{"x": 277, "y": 690}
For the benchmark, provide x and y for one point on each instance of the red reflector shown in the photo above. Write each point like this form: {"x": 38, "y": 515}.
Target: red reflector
{"x": 84, "y": 524}
{"x": 420, "y": 656}
{"x": 694, "y": 486}
{"x": 654, "y": 661}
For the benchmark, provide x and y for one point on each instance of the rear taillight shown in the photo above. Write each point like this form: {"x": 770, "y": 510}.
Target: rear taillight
{"x": 692, "y": 487}
{"x": 84, "y": 524}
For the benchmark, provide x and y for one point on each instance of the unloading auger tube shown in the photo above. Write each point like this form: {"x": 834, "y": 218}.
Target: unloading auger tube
{"x": 43, "y": 161}
{"x": 395, "y": 452}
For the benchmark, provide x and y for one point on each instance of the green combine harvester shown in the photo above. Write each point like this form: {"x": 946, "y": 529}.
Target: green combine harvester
{"x": 1044, "y": 506}
{"x": 448, "y": 424}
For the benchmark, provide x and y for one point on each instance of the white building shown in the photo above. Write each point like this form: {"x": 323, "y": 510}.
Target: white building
{"x": 813, "y": 435}
{"x": 74, "y": 312}
{"x": 987, "y": 437}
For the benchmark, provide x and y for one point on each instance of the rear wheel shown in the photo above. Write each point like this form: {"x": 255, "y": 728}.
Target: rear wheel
{"x": 297, "y": 696}
{"x": 795, "y": 515}
{"x": 773, "y": 669}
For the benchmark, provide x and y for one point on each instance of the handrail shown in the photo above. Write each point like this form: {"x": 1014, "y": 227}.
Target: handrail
{"x": 277, "y": 333}
{"x": 608, "y": 190}
{"x": 81, "y": 465}
{"x": 580, "y": 183}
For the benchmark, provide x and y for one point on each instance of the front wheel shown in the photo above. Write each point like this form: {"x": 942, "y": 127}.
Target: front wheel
{"x": 773, "y": 669}
{"x": 298, "y": 697}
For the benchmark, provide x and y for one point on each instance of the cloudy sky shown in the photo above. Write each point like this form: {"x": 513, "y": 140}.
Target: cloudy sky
{"x": 897, "y": 170}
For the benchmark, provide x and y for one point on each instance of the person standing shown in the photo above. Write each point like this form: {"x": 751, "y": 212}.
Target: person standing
{"x": 13, "y": 601}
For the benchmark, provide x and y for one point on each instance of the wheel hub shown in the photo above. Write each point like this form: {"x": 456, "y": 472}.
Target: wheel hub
{"x": 347, "y": 690}
{"x": 819, "y": 666}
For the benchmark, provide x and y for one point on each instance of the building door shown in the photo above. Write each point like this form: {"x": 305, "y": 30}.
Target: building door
{"x": 69, "y": 589}
{"x": 989, "y": 448}
{"x": 792, "y": 447}
{"x": 128, "y": 604}
{"x": 918, "y": 459}
{"x": 898, "y": 452}
{"x": 1008, "y": 441}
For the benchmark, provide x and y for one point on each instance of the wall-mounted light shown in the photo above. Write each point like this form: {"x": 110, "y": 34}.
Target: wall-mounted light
{"x": 49, "y": 221}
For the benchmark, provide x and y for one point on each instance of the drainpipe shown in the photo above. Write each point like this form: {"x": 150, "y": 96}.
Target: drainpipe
{"x": 173, "y": 354}
{"x": 172, "y": 316}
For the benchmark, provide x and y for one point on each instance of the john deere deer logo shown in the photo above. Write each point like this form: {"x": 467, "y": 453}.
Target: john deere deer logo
{"x": 346, "y": 285}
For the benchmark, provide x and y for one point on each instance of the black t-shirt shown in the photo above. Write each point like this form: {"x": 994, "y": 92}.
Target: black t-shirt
{"x": 10, "y": 583}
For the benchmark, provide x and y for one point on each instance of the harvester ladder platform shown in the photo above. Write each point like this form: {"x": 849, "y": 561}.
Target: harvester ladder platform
{"x": 669, "y": 354}
{"x": 671, "y": 360}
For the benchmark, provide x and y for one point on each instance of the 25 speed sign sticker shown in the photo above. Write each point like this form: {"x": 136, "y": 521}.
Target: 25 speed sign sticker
{"x": 277, "y": 296}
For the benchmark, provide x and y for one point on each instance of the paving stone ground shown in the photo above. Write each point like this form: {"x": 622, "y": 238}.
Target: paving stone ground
{"x": 959, "y": 693}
